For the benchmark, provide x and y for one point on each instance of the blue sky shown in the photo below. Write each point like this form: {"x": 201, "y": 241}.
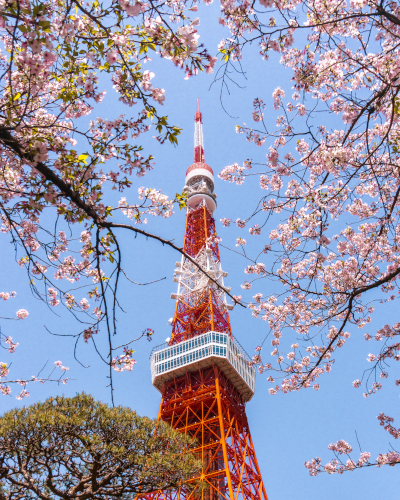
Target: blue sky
{"x": 286, "y": 429}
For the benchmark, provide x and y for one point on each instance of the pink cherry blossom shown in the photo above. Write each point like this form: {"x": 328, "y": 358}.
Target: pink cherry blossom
{"x": 22, "y": 314}
{"x": 112, "y": 56}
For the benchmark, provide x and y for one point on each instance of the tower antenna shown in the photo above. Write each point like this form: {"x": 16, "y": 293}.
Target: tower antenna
{"x": 198, "y": 136}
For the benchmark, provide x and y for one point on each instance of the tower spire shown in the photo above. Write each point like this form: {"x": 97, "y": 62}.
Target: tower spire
{"x": 199, "y": 185}
{"x": 198, "y": 136}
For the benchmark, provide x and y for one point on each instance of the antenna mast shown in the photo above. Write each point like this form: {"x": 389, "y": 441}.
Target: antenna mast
{"x": 198, "y": 136}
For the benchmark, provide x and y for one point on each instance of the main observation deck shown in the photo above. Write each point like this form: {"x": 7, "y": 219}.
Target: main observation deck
{"x": 217, "y": 348}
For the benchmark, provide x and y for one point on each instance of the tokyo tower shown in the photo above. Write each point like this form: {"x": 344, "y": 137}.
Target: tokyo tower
{"x": 202, "y": 372}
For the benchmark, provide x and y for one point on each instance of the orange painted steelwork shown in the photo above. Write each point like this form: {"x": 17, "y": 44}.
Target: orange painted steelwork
{"x": 206, "y": 406}
{"x": 197, "y": 314}
{"x": 200, "y": 226}
{"x": 203, "y": 403}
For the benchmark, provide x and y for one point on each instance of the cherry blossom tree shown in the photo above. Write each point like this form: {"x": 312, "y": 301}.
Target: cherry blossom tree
{"x": 330, "y": 186}
{"x": 56, "y": 172}
{"x": 328, "y": 216}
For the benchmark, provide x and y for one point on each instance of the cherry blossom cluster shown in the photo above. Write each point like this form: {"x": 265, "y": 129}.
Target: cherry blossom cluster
{"x": 5, "y": 381}
{"x": 234, "y": 173}
{"x": 226, "y": 222}
{"x": 124, "y": 362}
{"x": 337, "y": 466}
{"x": 20, "y": 314}
{"x": 389, "y": 352}
{"x": 386, "y": 423}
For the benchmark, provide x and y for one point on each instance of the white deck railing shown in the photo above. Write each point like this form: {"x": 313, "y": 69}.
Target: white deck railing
{"x": 166, "y": 359}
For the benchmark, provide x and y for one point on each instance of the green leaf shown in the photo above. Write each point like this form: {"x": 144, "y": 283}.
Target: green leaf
{"x": 36, "y": 10}
{"x": 173, "y": 139}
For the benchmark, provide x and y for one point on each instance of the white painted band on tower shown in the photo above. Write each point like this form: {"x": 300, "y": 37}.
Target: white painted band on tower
{"x": 196, "y": 199}
{"x": 199, "y": 172}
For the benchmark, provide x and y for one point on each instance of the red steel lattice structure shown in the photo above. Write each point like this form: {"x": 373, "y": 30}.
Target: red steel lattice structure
{"x": 202, "y": 373}
{"x": 200, "y": 226}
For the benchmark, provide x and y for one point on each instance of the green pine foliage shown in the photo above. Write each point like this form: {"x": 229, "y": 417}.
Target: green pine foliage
{"x": 79, "y": 448}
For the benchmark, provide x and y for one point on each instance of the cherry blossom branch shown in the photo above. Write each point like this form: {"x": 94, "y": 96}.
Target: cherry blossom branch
{"x": 68, "y": 192}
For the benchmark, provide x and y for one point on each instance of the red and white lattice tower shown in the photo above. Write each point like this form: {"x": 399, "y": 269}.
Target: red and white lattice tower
{"x": 202, "y": 372}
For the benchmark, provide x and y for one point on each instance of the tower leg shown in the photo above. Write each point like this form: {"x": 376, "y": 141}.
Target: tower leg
{"x": 205, "y": 406}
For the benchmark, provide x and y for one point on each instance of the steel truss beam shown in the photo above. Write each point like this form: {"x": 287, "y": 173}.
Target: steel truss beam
{"x": 204, "y": 313}
{"x": 205, "y": 406}
{"x": 200, "y": 226}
